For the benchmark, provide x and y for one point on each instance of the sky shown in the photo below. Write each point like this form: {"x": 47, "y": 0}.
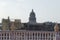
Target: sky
{"x": 45, "y": 10}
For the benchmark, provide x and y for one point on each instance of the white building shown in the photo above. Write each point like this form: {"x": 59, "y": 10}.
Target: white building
{"x": 28, "y": 35}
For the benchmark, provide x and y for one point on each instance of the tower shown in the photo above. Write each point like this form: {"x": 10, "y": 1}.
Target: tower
{"x": 32, "y": 18}
{"x": 6, "y": 24}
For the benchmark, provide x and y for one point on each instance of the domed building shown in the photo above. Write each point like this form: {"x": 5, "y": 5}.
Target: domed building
{"x": 30, "y": 30}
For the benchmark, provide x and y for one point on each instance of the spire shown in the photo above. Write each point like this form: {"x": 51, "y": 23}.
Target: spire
{"x": 32, "y": 10}
{"x": 8, "y": 18}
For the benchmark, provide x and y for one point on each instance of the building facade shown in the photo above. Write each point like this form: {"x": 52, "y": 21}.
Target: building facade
{"x": 15, "y": 30}
{"x": 29, "y": 35}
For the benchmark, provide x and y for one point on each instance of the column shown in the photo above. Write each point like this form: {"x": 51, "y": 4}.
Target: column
{"x": 24, "y": 36}
{"x": 42, "y": 35}
{"x": 50, "y": 36}
{"x": 37, "y": 35}
{"x": 45, "y": 35}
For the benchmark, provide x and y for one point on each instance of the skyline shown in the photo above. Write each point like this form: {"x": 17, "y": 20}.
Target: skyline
{"x": 45, "y": 10}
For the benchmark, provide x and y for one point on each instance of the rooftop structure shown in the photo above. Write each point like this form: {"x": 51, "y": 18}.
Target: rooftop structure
{"x": 31, "y": 25}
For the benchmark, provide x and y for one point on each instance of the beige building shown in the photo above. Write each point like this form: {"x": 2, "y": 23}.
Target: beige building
{"x": 56, "y": 28}
{"x": 11, "y": 25}
{"x": 6, "y": 24}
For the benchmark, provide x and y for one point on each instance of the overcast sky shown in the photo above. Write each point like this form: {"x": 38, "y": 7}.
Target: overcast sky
{"x": 45, "y": 10}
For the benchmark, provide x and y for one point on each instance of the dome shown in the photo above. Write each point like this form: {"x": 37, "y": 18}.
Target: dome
{"x": 32, "y": 13}
{"x": 32, "y": 18}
